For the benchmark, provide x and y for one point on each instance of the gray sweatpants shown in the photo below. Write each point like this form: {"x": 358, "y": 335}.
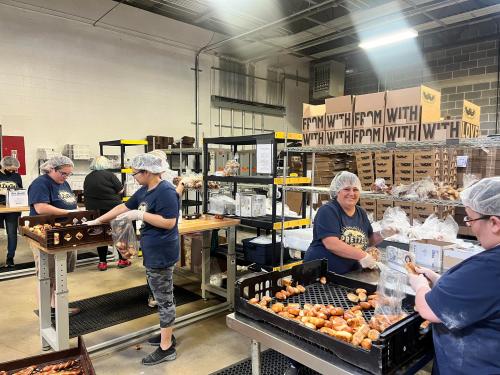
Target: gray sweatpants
{"x": 161, "y": 283}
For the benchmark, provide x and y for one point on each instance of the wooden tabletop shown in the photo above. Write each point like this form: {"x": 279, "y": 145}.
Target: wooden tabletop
{"x": 6, "y": 210}
{"x": 205, "y": 222}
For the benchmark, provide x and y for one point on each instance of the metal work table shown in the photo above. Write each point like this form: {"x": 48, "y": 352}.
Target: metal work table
{"x": 58, "y": 338}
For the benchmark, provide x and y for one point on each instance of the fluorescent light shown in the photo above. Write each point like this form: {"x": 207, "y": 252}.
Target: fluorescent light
{"x": 389, "y": 38}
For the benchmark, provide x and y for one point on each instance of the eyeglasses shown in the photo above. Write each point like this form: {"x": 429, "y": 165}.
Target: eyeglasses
{"x": 65, "y": 174}
{"x": 136, "y": 173}
{"x": 468, "y": 220}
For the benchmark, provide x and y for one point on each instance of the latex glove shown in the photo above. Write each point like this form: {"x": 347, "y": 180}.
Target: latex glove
{"x": 132, "y": 215}
{"x": 93, "y": 222}
{"x": 430, "y": 274}
{"x": 389, "y": 231}
{"x": 418, "y": 281}
{"x": 368, "y": 262}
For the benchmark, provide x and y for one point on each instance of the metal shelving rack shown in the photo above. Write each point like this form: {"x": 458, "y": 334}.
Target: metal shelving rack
{"x": 481, "y": 143}
{"x": 269, "y": 222}
{"x": 184, "y": 154}
{"x": 123, "y": 143}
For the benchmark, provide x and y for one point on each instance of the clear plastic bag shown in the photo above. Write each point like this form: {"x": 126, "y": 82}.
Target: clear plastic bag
{"x": 391, "y": 292}
{"x": 124, "y": 238}
{"x": 222, "y": 205}
{"x": 395, "y": 217}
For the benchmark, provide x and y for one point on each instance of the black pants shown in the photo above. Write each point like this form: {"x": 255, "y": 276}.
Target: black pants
{"x": 11, "y": 224}
{"x": 103, "y": 250}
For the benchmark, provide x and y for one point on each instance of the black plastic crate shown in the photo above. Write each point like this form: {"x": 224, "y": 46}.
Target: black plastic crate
{"x": 264, "y": 255}
{"x": 396, "y": 347}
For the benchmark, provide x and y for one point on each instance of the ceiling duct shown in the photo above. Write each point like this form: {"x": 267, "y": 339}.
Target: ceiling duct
{"x": 328, "y": 79}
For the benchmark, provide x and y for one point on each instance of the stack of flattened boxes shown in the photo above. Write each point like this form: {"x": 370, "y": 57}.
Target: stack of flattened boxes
{"x": 427, "y": 163}
{"x": 403, "y": 167}
{"x": 384, "y": 162}
{"x": 406, "y": 109}
{"x": 368, "y": 125}
{"x": 366, "y": 171}
{"x": 313, "y": 125}
{"x": 370, "y": 206}
{"x": 339, "y": 120}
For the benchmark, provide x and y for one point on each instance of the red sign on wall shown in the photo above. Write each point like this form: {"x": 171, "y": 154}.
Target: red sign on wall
{"x": 13, "y": 145}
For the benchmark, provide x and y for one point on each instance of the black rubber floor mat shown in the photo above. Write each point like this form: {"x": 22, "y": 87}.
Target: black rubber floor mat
{"x": 23, "y": 266}
{"x": 273, "y": 363}
{"x": 118, "y": 307}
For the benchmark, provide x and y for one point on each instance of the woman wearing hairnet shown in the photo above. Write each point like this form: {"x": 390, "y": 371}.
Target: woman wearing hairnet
{"x": 102, "y": 190}
{"x": 10, "y": 179}
{"x": 156, "y": 205}
{"x": 342, "y": 231}
{"x": 464, "y": 303}
{"x": 50, "y": 194}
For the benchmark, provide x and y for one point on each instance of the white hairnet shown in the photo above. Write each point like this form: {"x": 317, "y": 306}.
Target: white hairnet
{"x": 55, "y": 162}
{"x": 99, "y": 163}
{"x": 483, "y": 196}
{"x": 149, "y": 162}
{"x": 10, "y": 161}
{"x": 342, "y": 180}
{"x": 162, "y": 155}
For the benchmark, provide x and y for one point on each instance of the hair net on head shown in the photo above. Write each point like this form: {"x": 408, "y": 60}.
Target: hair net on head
{"x": 55, "y": 162}
{"x": 483, "y": 196}
{"x": 9, "y": 162}
{"x": 99, "y": 163}
{"x": 162, "y": 155}
{"x": 150, "y": 163}
{"x": 343, "y": 179}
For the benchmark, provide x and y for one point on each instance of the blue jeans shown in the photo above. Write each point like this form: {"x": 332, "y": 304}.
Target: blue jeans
{"x": 11, "y": 223}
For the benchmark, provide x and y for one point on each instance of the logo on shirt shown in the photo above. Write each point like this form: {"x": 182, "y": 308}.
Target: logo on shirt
{"x": 143, "y": 206}
{"x": 8, "y": 185}
{"x": 355, "y": 237}
{"x": 67, "y": 197}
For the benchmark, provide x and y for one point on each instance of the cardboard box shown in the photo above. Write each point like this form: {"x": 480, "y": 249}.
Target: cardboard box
{"x": 369, "y": 110}
{"x": 422, "y": 211}
{"x": 314, "y": 139}
{"x": 412, "y": 106}
{"x": 313, "y": 118}
{"x": 452, "y": 257}
{"x": 16, "y": 198}
{"x": 429, "y": 253}
{"x": 368, "y": 135}
{"x": 403, "y": 156}
{"x": 382, "y": 205}
{"x": 338, "y": 137}
{"x": 339, "y": 112}
{"x": 369, "y": 205}
{"x": 401, "y": 133}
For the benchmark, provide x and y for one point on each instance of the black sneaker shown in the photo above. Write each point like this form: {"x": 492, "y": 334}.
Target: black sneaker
{"x": 156, "y": 339}
{"x": 10, "y": 263}
{"x": 160, "y": 355}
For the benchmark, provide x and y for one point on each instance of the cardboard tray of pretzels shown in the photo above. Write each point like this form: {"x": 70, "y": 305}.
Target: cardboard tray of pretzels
{"x": 335, "y": 313}
{"x": 74, "y": 361}
{"x": 63, "y": 231}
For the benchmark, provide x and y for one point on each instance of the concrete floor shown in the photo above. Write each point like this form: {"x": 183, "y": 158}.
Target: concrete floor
{"x": 203, "y": 347}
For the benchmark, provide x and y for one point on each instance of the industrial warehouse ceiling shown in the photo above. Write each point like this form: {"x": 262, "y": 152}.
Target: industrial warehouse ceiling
{"x": 314, "y": 29}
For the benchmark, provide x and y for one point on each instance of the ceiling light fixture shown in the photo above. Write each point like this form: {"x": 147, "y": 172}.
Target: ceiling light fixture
{"x": 389, "y": 39}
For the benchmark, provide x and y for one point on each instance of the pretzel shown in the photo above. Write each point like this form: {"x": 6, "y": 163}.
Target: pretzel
{"x": 59, "y": 366}
{"x": 410, "y": 267}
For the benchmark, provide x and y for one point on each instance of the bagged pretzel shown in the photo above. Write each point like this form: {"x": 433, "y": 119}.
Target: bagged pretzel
{"x": 124, "y": 238}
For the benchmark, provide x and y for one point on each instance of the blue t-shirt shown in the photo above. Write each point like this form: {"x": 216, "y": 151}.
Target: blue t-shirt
{"x": 44, "y": 189}
{"x": 160, "y": 247}
{"x": 332, "y": 221}
{"x": 466, "y": 299}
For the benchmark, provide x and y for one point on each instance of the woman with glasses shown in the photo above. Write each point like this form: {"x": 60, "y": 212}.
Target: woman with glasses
{"x": 102, "y": 190}
{"x": 464, "y": 303}
{"x": 50, "y": 194}
{"x": 10, "y": 179}
{"x": 156, "y": 206}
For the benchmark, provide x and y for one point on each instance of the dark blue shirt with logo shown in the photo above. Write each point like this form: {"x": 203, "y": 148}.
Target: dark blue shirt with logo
{"x": 332, "y": 221}
{"x": 44, "y": 189}
{"x": 9, "y": 181}
{"x": 467, "y": 301}
{"x": 160, "y": 247}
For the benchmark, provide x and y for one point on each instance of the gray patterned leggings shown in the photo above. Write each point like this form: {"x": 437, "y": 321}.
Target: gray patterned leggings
{"x": 161, "y": 283}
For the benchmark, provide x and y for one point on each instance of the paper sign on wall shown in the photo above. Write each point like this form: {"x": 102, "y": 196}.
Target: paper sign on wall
{"x": 264, "y": 158}
{"x": 462, "y": 161}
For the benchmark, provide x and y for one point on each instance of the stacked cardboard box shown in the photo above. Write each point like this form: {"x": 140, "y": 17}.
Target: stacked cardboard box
{"x": 422, "y": 210}
{"x": 382, "y": 205}
{"x": 406, "y": 109}
{"x": 427, "y": 164}
{"x": 370, "y": 206}
{"x": 368, "y": 124}
{"x": 365, "y": 169}
{"x": 403, "y": 167}
{"x": 339, "y": 120}
{"x": 384, "y": 162}
{"x": 313, "y": 124}
{"x": 448, "y": 173}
